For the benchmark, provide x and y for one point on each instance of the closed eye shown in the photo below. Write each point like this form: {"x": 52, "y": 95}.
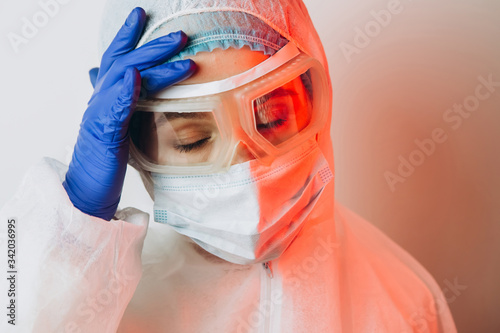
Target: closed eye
{"x": 192, "y": 146}
{"x": 273, "y": 124}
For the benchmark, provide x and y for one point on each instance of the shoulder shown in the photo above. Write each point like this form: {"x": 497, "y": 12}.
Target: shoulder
{"x": 387, "y": 278}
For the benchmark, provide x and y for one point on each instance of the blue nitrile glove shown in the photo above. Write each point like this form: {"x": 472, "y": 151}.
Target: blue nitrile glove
{"x": 96, "y": 173}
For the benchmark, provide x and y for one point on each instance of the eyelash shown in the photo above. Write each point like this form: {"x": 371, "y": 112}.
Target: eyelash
{"x": 195, "y": 145}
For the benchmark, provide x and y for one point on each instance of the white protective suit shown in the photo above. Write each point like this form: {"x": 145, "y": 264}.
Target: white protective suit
{"x": 77, "y": 273}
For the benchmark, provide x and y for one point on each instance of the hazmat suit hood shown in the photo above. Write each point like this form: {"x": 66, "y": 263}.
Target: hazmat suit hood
{"x": 291, "y": 20}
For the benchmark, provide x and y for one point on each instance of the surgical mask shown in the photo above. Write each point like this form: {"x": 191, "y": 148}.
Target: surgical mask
{"x": 252, "y": 212}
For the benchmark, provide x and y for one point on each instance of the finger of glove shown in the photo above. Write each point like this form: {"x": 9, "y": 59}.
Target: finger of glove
{"x": 125, "y": 40}
{"x": 116, "y": 126}
{"x": 149, "y": 55}
{"x": 163, "y": 76}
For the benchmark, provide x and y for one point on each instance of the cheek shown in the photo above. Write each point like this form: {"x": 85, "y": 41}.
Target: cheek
{"x": 152, "y": 152}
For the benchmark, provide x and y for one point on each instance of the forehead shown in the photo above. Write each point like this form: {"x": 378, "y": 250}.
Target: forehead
{"x": 220, "y": 64}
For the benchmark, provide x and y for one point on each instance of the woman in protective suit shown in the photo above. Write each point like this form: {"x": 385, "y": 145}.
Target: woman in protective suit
{"x": 228, "y": 123}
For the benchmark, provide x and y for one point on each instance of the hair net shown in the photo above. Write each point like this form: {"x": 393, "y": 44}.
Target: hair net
{"x": 227, "y": 24}
{"x": 211, "y": 30}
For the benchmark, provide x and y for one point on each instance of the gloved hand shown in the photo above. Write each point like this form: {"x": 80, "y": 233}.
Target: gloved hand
{"x": 96, "y": 173}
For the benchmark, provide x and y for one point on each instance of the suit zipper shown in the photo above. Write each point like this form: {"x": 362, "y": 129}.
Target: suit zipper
{"x": 269, "y": 269}
{"x": 266, "y": 303}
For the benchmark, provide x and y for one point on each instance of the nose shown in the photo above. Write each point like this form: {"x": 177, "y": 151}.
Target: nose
{"x": 242, "y": 154}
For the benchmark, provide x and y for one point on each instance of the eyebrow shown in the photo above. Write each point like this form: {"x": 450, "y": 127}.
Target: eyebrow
{"x": 280, "y": 92}
{"x": 185, "y": 115}
{"x": 181, "y": 115}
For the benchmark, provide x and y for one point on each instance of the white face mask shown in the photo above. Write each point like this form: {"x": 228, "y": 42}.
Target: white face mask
{"x": 249, "y": 214}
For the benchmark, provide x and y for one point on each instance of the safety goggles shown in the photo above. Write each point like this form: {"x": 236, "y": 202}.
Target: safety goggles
{"x": 203, "y": 128}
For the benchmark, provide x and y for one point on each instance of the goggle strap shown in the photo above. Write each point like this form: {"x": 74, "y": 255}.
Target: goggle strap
{"x": 287, "y": 53}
